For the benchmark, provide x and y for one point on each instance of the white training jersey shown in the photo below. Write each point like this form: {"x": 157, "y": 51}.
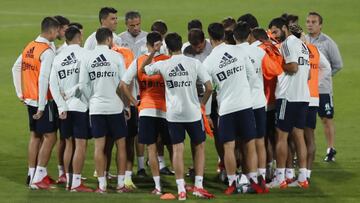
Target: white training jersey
{"x": 136, "y": 44}
{"x": 180, "y": 74}
{"x": 233, "y": 75}
{"x": 91, "y": 42}
{"x": 101, "y": 72}
{"x": 294, "y": 88}
{"x": 256, "y": 55}
{"x": 64, "y": 79}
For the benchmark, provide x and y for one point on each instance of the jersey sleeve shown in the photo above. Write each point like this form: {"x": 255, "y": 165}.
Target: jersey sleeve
{"x": 324, "y": 68}
{"x": 56, "y": 91}
{"x": 289, "y": 53}
{"x": 130, "y": 73}
{"x": 84, "y": 80}
{"x": 16, "y": 73}
{"x": 334, "y": 57}
{"x": 154, "y": 68}
{"x": 201, "y": 72}
{"x": 46, "y": 58}
{"x": 252, "y": 77}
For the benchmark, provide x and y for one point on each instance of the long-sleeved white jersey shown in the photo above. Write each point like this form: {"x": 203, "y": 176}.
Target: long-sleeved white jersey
{"x": 102, "y": 71}
{"x": 64, "y": 79}
{"x": 234, "y": 77}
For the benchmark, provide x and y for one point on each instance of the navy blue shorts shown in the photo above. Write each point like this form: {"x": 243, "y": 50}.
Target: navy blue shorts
{"x": 290, "y": 114}
{"x": 112, "y": 125}
{"x": 76, "y": 125}
{"x": 48, "y": 121}
{"x": 152, "y": 127}
{"x": 237, "y": 124}
{"x": 260, "y": 119}
{"x": 311, "y": 117}
{"x": 194, "y": 129}
{"x": 326, "y": 106}
{"x": 132, "y": 123}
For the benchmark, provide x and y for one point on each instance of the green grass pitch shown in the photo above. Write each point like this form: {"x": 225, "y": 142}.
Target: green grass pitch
{"x": 337, "y": 182}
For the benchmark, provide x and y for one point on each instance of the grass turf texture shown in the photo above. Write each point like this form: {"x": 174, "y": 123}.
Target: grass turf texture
{"x": 336, "y": 182}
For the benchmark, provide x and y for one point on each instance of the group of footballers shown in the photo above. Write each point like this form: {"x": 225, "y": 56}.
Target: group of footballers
{"x": 256, "y": 91}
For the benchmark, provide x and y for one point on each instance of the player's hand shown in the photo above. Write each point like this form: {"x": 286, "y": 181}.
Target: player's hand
{"x": 157, "y": 45}
{"x": 63, "y": 115}
{"x": 38, "y": 115}
{"x": 127, "y": 113}
{"x": 210, "y": 122}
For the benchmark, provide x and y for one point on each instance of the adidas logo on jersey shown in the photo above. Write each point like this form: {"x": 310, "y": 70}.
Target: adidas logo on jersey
{"x": 179, "y": 70}
{"x": 30, "y": 53}
{"x": 226, "y": 60}
{"x": 69, "y": 60}
{"x": 100, "y": 61}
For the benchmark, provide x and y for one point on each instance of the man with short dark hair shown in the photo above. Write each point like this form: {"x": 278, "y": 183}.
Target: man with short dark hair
{"x": 102, "y": 71}
{"x": 183, "y": 112}
{"x": 161, "y": 27}
{"x": 64, "y": 24}
{"x": 326, "y": 107}
{"x": 108, "y": 19}
{"x": 234, "y": 76}
{"x": 250, "y": 19}
{"x": 72, "y": 107}
{"x": 31, "y": 73}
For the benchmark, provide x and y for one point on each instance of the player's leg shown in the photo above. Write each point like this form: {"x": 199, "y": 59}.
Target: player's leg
{"x": 326, "y": 113}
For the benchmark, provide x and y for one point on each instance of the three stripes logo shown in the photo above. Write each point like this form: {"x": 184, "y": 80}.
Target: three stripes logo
{"x": 226, "y": 60}
{"x": 100, "y": 61}
{"x": 30, "y": 53}
{"x": 179, "y": 70}
{"x": 69, "y": 60}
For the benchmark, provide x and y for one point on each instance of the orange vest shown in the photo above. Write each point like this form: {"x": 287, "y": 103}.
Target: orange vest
{"x": 126, "y": 53}
{"x": 270, "y": 73}
{"x": 313, "y": 83}
{"x": 30, "y": 70}
{"x": 152, "y": 88}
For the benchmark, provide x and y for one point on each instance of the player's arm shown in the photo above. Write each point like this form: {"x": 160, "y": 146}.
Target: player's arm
{"x": 16, "y": 73}
{"x": 148, "y": 60}
{"x": 334, "y": 57}
{"x": 84, "y": 80}
{"x": 126, "y": 82}
{"x": 56, "y": 93}
{"x": 46, "y": 58}
{"x": 206, "y": 80}
{"x": 324, "y": 68}
{"x": 290, "y": 58}
{"x": 251, "y": 75}
{"x": 121, "y": 73}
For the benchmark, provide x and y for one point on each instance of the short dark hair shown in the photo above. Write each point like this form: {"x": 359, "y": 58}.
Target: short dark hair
{"x": 216, "y": 31}
{"x": 49, "y": 22}
{"x": 77, "y": 25}
{"x": 62, "y": 20}
{"x": 260, "y": 34}
{"x": 132, "y": 15}
{"x": 71, "y": 32}
{"x": 229, "y": 37}
{"x": 196, "y": 36}
{"x": 173, "y": 42}
{"x": 278, "y": 22}
{"x": 313, "y": 13}
{"x": 159, "y": 26}
{"x": 153, "y": 37}
{"x": 250, "y": 19}
{"x": 228, "y": 22}
{"x": 290, "y": 17}
{"x": 241, "y": 31}
{"x": 195, "y": 23}
{"x": 102, "y": 34}
{"x": 105, "y": 11}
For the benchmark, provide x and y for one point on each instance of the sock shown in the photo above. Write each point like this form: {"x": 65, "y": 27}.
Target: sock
{"x": 253, "y": 176}
{"x": 232, "y": 179}
{"x": 40, "y": 173}
{"x": 157, "y": 182}
{"x": 102, "y": 182}
{"x": 328, "y": 150}
{"x": 67, "y": 179}
{"x": 161, "y": 162}
{"x": 199, "y": 182}
{"x": 140, "y": 162}
{"x": 280, "y": 174}
{"x": 180, "y": 185}
{"x": 128, "y": 175}
{"x": 76, "y": 181}
{"x": 302, "y": 174}
{"x": 31, "y": 173}
{"x": 121, "y": 179}
{"x": 308, "y": 173}
{"x": 262, "y": 172}
{"x": 289, "y": 173}
{"x": 61, "y": 170}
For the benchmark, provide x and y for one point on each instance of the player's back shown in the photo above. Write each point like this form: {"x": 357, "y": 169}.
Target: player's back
{"x": 229, "y": 69}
